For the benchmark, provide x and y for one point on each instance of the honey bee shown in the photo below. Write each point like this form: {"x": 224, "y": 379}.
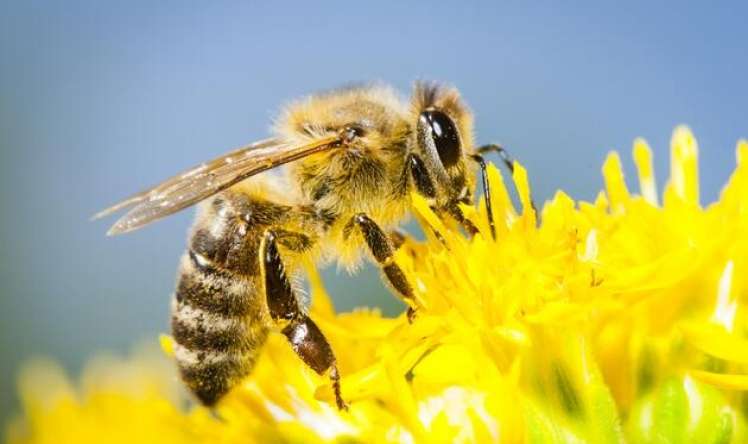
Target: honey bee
{"x": 354, "y": 156}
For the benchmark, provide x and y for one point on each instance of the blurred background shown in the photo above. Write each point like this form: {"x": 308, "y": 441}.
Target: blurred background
{"x": 98, "y": 101}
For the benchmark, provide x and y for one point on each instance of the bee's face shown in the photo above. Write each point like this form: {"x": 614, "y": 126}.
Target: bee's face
{"x": 444, "y": 141}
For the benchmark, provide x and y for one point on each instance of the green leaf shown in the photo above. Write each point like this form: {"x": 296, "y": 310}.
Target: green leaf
{"x": 544, "y": 427}
{"x": 682, "y": 410}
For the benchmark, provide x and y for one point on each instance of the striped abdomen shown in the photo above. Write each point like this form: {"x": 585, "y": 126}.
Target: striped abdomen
{"x": 219, "y": 320}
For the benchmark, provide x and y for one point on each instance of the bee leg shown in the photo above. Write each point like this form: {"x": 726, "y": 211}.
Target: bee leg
{"x": 498, "y": 149}
{"x": 298, "y": 242}
{"x": 425, "y": 187}
{"x": 305, "y": 337}
{"x": 423, "y": 184}
{"x": 454, "y": 210}
{"x": 398, "y": 237}
{"x": 486, "y": 192}
{"x": 421, "y": 178}
{"x": 380, "y": 246}
{"x": 508, "y": 162}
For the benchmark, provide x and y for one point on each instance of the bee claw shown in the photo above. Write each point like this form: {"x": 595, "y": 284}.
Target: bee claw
{"x": 411, "y": 314}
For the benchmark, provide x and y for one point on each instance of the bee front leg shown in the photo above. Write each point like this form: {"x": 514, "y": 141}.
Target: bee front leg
{"x": 421, "y": 177}
{"x": 486, "y": 191}
{"x": 380, "y": 246}
{"x": 498, "y": 149}
{"x": 508, "y": 162}
{"x": 423, "y": 184}
{"x": 454, "y": 210}
{"x": 425, "y": 187}
{"x": 294, "y": 241}
{"x": 305, "y": 337}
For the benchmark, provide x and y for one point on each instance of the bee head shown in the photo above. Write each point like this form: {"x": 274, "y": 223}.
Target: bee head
{"x": 444, "y": 140}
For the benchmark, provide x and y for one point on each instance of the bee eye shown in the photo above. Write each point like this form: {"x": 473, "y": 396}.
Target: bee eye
{"x": 445, "y": 137}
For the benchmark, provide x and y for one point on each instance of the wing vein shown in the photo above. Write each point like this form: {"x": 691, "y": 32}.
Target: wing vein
{"x": 208, "y": 178}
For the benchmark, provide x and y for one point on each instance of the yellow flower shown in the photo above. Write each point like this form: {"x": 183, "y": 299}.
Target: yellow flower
{"x": 620, "y": 320}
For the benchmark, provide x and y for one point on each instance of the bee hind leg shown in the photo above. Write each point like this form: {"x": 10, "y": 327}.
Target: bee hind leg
{"x": 381, "y": 247}
{"x": 305, "y": 337}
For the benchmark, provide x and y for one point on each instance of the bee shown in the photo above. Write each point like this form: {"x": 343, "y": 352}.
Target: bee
{"x": 354, "y": 156}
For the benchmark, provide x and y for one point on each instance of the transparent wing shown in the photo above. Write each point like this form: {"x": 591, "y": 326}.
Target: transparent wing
{"x": 192, "y": 172}
{"x": 207, "y": 179}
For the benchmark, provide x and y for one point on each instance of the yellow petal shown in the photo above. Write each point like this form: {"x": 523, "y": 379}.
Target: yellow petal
{"x": 501, "y": 203}
{"x": 618, "y": 193}
{"x": 725, "y": 381}
{"x": 523, "y": 189}
{"x": 715, "y": 340}
{"x": 684, "y": 159}
{"x": 742, "y": 152}
{"x": 167, "y": 344}
{"x": 643, "y": 159}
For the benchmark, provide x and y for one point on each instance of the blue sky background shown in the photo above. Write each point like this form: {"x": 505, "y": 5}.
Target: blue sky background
{"x": 97, "y": 101}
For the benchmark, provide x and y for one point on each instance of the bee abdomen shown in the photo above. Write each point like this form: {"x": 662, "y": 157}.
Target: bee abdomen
{"x": 205, "y": 286}
{"x": 209, "y": 375}
{"x": 217, "y": 328}
{"x": 196, "y": 329}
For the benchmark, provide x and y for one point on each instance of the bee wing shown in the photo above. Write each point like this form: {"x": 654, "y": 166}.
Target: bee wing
{"x": 192, "y": 172}
{"x": 207, "y": 179}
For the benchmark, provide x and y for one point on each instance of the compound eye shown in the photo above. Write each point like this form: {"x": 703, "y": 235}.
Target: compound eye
{"x": 444, "y": 134}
